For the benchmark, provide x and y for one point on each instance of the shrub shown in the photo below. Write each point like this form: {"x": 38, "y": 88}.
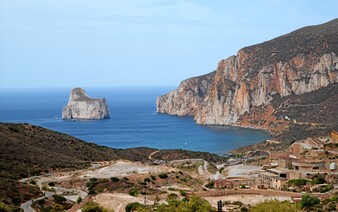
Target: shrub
{"x": 210, "y": 184}
{"x": 163, "y": 175}
{"x": 326, "y": 188}
{"x": 59, "y": 199}
{"x": 51, "y": 184}
{"x": 93, "y": 207}
{"x": 133, "y": 206}
{"x": 308, "y": 201}
{"x": 32, "y": 182}
{"x": 133, "y": 192}
{"x": 115, "y": 179}
{"x": 146, "y": 180}
{"x": 183, "y": 193}
{"x": 318, "y": 180}
{"x": 153, "y": 177}
{"x": 4, "y": 207}
{"x": 298, "y": 182}
{"x": 57, "y": 208}
{"x": 79, "y": 200}
{"x": 172, "y": 196}
{"x": 244, "y": 209}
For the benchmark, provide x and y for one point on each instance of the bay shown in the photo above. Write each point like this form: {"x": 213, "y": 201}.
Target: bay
{"x": 133, "y": 123}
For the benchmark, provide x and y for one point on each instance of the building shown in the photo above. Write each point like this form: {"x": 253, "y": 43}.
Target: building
{"x": 234, "y": 182}
{"x": 273, "y": 178}
{"x": 281, "y": 159}
{"x": 308, "y": 165}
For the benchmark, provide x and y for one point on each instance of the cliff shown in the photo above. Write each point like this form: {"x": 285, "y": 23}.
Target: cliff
{"x": 80, "y": 106}
{"x": 242, "y": 88}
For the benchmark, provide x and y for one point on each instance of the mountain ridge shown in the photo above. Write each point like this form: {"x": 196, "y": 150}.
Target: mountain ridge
{"x": 299, "y": 62}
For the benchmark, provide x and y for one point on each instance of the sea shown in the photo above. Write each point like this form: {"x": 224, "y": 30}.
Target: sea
{"x": 133, "y": 123}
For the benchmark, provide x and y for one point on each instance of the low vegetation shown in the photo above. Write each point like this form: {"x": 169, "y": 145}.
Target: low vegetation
{"x": 94, "y": 207}
{"x": 28, "y": 150}
{"x": 192, "y": 204}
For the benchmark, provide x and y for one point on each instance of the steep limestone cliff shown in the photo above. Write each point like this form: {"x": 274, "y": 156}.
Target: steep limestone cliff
{"x": 293, "y": 64}
{"x": 80, "y": 106}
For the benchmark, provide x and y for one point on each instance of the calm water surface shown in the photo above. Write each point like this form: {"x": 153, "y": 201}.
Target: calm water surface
{"x": 134, "y": 121}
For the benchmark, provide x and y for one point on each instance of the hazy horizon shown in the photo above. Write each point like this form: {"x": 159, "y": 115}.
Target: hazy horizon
{"x": 151, "y": 43}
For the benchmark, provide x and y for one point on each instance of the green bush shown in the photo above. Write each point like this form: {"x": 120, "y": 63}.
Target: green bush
{"x": 298, "y": 182}
{"x": 153, "y": 177}
{"x": 115, "y": 179}
{"x": 172, "y": 196}
{"x": 319, "y": 179}
{"x": 32, "y": 182}
{"x": 93, "y": 207}
{"x": 57, "y": 208}
{"x": 210, "y": 184}
{"x": 133, "y": 206}
{"x": 51, "y": 184}
{"x": 308, "y": 201}
{"x": 326, "y": 188}
{"x": 146, "y": 180}
{"x": 79, "y": 200}
{"x": 59, "y": 199}
{"x": 163, "y": 175}
{"x": 4, "y": 207}
{"x": 183, "y": 193}
{"x": 134, "y": 192}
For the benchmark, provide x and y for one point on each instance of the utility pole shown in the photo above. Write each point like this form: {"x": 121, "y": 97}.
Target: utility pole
{"x": 219, "y": 206}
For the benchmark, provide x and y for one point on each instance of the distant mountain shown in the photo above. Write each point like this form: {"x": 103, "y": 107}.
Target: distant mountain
{"x": 260, "y": 86}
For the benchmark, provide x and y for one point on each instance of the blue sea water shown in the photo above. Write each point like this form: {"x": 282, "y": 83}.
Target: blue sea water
{"x": 133, "y": 123}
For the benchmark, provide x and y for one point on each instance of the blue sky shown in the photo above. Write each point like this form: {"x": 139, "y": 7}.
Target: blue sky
{"x": 114, "y": 43}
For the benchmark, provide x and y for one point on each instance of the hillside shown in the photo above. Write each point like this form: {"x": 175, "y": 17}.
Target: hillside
{"x": 28, "y": 150}
{"x": 267, "y": 85}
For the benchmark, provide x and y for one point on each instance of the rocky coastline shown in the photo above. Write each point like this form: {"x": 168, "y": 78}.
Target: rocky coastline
{"x": 243, "y": 90}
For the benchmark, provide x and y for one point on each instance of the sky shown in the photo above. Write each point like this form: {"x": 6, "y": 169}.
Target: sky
{"x": 136, "y": 43}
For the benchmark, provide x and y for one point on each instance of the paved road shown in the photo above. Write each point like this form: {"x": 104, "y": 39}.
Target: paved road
{"x": 27, "y": 206}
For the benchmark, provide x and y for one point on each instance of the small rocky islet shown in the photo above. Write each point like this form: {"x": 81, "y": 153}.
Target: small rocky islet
{"x": 81, "y": 106}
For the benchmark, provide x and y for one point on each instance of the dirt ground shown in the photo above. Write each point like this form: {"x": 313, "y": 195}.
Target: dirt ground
{"x": 119, "y": 201}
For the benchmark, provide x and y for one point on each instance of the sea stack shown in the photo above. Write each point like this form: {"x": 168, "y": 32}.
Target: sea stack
{"x": 81, "y": 106}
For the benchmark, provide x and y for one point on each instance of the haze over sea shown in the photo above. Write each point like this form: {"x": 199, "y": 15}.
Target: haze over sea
{"x": 133, "y": 123}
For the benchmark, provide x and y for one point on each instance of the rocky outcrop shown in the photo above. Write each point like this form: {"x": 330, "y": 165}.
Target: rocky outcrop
{"x": 293, "y": 64}
{"x": 80, "y": 106}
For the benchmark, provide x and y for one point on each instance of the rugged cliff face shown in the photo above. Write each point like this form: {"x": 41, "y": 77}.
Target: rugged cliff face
{"x": 80, "y": 106}
{"x": 293, "y": 64}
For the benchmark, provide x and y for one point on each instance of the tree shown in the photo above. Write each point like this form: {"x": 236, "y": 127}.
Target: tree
{"x": 308, "y": 201}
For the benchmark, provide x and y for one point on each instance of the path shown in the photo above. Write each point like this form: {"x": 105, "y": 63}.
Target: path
{"x": 153, "y": 153}
{"x": 27, "y": 206}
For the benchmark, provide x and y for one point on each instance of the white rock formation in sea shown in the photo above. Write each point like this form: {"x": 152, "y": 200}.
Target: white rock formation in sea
{"x": 81, "y": 106}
